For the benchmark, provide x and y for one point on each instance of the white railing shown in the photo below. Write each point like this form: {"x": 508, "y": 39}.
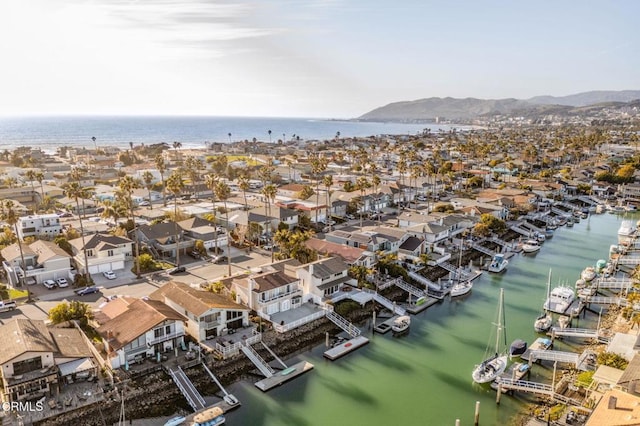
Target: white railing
{"x": 297, "y": 323}
{"x": 257, "y": 360}
{"x": 234, "y": 348}
{"x": 341, "y": 322}
{"x": 166, "y": 337}
{"x": 280, "y": 296}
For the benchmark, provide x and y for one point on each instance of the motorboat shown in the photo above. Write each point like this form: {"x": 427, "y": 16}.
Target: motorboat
{"x": 175, "y": 421}
{"x": 617, "y": 210}
{"x": 210, "y": 417}
{"x": 540, "y": 237}
{"x": 531, "y": 246}
{"x": 601, "y": 264}
{"x": 498, "y": 263}
{"x": 517, "y": 348}
{"x": 586, "y": 292}
{"x": 461, "y": 288}
{"x": 570, "y": 222}
{"x": 401, "y": 324}
{"x": 626, "y": 231}
{"x": 543, "y": 323}
{"x": 493, "y": 366}
{"x": 588, "y": 274}
{"x": 559, "y": 300}
{"x": 564, "y": 321}
{"x": 580, "y": 283}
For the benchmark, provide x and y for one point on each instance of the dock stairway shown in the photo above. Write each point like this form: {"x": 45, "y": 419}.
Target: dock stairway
{"x": 414, "y": 291}
{"x": 191, "y": 394}
{"x": 460, "y": 272}
{"x": 351, "y": 329}
{"x": 559, "y": 212}
{"x": 588, "y": 200}
{"x": 398, "y": 310}
{"x": 537, "y": 388}
{"x": 566, "y": 357}
{"x": 601, "y": 300}
{"x": 215, "y": 379}
{"x": 628, "y": 260}
{"x": 532, "y": 227}
{"x": 427, "y": 282}
{"x": 615, "y": 283}
{"x": 566, "y": 205}
{"x": 482, "y": 249}
{"x": 520, "y": 231}
{"x": 257, "y": 360}
{"x": 273, "y": 354}
{"x": 585, "y": 333}
{"x": 498, "y": 241}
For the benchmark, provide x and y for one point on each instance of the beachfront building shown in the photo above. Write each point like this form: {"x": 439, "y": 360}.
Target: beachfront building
{"x": 105, "y": 252}
{"x": 40, "y": 359}
{"x": 43, "y": 260}
{"x": 323, "y": 278}
{"x": 140, "y": 329}
{"x": 45, "y": 225}
{"x": 207, "y": 314}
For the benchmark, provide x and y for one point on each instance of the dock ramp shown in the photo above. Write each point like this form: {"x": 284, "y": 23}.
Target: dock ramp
{"x": 191, "y": 394}
{"x": 215, "y": 379}
{"x": 414, "y": 291}
{"x": 257, "y": 360}
{"x": 425, "y": 281}
{"x": 537, "y": 388}
{"x": 273, "y": 354}
{"x": 483, "y": 249}
{"x": 351, "y": 329}
{"x": 566, "y": 357}
{"x": 398, "y": 310}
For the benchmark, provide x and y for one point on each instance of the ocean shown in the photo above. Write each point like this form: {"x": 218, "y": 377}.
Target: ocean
{"x": 50, "y": 132}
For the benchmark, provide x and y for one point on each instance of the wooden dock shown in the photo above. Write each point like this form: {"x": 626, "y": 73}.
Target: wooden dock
{"x": 540, "y": 344}
{"x": 384, "y": 326}
{"x": 284, "y": 376}
{"x": 345, "y": 348}
{"x": 414, "y": 309}
{"x": 516, "y": 371}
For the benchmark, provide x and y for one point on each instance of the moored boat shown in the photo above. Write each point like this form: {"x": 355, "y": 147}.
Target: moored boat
{"x": 543, "y": 323}
{"x": 210, "y": 417}
{"x": 498, "y": 263}
{"x": 401, "y": 324}
{"x": 531, "y": 246}
{"x": 493, "y": 366}
{"x": 588, "y": 274}
{"x": 517, "y": 348}
{"x": 626, "y": 231}
{"x": 461, "y": 288}
{"x": 175, "y": 421}
{"x": 559, "y": 300}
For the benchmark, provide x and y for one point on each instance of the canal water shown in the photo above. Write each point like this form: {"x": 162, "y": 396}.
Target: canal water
{"x": 424, "y": 378}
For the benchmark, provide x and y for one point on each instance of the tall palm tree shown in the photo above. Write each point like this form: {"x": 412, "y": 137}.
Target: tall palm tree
{"x": 10, "y": 216}
{"x": 40, "y": 177}
{"x": 113, "y": 210}
{"x": 223, "y": 192}
{"x": 147, "y": 177}
{"x": 211, "y": 180}
{"x": 362, "y": 184}
{"x": 162, "y": 167}
{"x": 127, "y": 185}
{"x": 175, "y": 185}
{"x": 318, "y": 165}
{"x": 269, "y": 193}
{"x": 177, "y": 146}
{"x": 75, "y": 191}
{"x": 31, "y": 175}
{"x": 327, "y": 181}
{"x": 243, "y": 184}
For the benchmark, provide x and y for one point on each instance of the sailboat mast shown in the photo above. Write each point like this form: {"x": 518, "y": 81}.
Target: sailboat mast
{"x": 499, "y": 329}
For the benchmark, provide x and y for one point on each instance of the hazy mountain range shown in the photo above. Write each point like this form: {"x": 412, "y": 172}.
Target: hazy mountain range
{"x": 462, "y": 109}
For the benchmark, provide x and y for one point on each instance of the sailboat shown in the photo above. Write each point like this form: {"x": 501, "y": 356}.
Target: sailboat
{"x": 544, "y": 321}
{"x": 460, "y": 288}
{"x": 489, "y": 369}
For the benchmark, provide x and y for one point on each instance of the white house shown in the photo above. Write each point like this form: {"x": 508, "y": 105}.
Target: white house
{"x": 43, "y": 260}
{"x": 105, "y": 252}
{"x": 140, "y": 329}
{"x": 322, "y": 278}
{"x": 35, "y": 225}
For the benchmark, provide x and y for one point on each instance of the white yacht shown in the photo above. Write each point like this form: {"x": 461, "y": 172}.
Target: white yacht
{"x": 498, "y": 263}
{"x": 588, "y": 274}
{"x": 531, "y": 246}
{"x": 626, "y": 231}
{"x": 559, "y": 300}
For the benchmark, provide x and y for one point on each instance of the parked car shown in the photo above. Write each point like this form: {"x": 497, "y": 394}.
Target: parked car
{"x": 220, "y": 259}
{"x": 50, "y": 284}
{"x": 62, "y": 282}
{"x": 177, "y": 270}
{"x": 195, "y": 254}
{"x": 86, "y": 290}
{"x": 110, "y": 275}
{"x": 144, "y": 203}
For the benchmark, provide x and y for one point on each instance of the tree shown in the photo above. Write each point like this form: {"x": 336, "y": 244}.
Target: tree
{"x": 127, "y": 185}
{"x": 10, "y": 216}
{"x": 362, "y": 184}
{"x": 67, "y": 311}
{"x": 161, "y": 166}
{"x": 493, "y": 223}
{"x": 292, "y": 245}
{"x": 223, "y": 192}
{"x": 31, "y": 175}
{"x": 269, "y": 193}
{"x": 211, "y": 180}
{"x": 147, "y": 177}
{"x": 175, "y": 184}
{"x": 306, "y": 192}
{"x": 75, "y": 191}
{"x": 327, "y": 181}
{"x": 318, "y": 165}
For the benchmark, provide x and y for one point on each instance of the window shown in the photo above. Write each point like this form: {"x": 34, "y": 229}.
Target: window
{"x": 109, "y": 253}
{"x": 158, "y": 332}
{"x": 27, "y": 365}
{"x": 167, "y": 329}
{"x": 90, "y": 252}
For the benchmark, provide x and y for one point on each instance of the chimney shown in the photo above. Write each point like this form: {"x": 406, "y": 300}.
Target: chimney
{"x": 613, "y": 402}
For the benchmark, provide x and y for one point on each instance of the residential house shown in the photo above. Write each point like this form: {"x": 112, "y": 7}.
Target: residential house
{"x": 197, "y": 228}
{"x": 272, "y": 219}
{"x": 39, "y": 359}
{"x": 105, "y": 252}
{"x": 46, "y": 225}
{"x": 161, "y": 239}
{"x": 352, "y": 256}
{"x": 379, "y": 239}
{"x": 43, "y": 260}
{"x": 141, "y": 329}
{"x": 323, "y": 278}
{"x": 208, "y": 315}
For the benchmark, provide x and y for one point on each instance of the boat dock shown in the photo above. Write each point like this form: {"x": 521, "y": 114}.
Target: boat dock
{"x": 516, "y": 371}
{"x": 284, "y": 376}
{"x": 416, "y": 308}
{"x": 384, "y": 326}
{"x": 345, "y": 348}
{"x": 540, "y": 344}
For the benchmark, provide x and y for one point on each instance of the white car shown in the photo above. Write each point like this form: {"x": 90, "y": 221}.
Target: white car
{"x": 110, "y": 275}
{"x": 144, "y": 203}
{"x": 50, "y": 284}
{"x": 62, "y": 282}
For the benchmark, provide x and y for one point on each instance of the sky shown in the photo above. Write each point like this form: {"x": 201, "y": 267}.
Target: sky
{"x": 304, "y": 58}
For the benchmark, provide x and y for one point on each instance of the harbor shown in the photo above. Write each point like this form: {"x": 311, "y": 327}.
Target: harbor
{"x": 431, "y": 366}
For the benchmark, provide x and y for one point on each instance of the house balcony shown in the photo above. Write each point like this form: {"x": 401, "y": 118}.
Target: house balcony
{"x": 208, "y": 325}
{"x": 165, "y": 338}
{"x": 280, "y": 296}
{"x": 182, "y": 245}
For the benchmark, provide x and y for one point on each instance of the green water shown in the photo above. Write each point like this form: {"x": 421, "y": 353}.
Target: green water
{"x": 424, "y": 378}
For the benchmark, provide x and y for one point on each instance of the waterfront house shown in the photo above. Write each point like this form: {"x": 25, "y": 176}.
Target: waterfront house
{"x": 105, "y": 252}
{"x": 43, "y": 260}
{"x": 40, "y": 359}
{"x": 323, "y": 278}
{"x": 352, "y": 256}
{"x": 45, "y": 225}
{"x": 142, "y": 329}
{"x": 208, "y": 315}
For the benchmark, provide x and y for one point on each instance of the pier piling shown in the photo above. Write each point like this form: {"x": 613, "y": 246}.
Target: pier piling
{"x": 326, "y": 339}
{"x": 498, "y": 394}
{"x": 476, "y": 417}
{"x": 457, "y": 422}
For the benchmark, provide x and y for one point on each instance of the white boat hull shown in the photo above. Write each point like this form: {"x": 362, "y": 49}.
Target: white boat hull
{"x": 461, "y": 289}
{"x": 490, "y": 369}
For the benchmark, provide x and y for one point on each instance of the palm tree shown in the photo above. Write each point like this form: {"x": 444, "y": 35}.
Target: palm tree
{"x": 318, "y": 165}
{"x": 147, "y": 176}
{"x": 74, "y": 190}
{"x": 31, "y": 175}
{"x": 269, "y": 131}
{"x": 269, "y": 193}
{"x": 40, "y": 177}
{"x": 211, "y": 180}
{"x": 327, "y": 181}
{"x": 177, "y": 146}
{"x": 223, "y": 192}
{"x": 175, "y": 185}
{"x": 362, "y": 184}
{"x": 162, "y": 167}
{"x": 10, "y": 216}
{"x": 127, "y": 185}
{"x": 229, "y": 134}
{"x": 113, "y": 210}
